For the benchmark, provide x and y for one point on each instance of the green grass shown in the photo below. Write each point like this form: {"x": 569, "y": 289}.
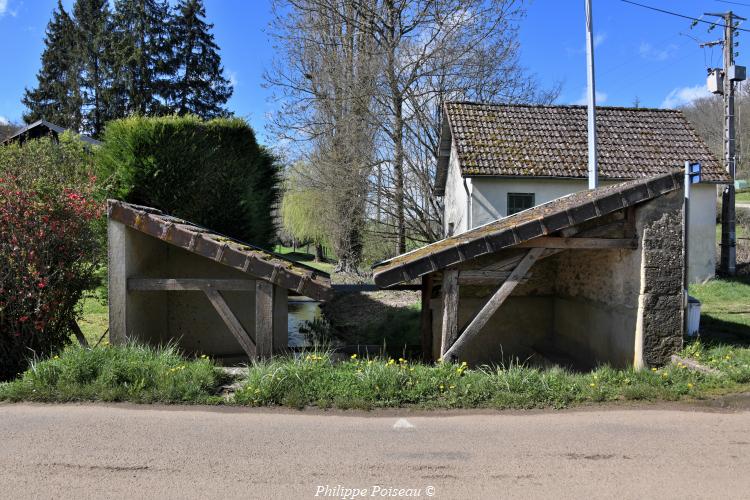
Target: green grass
{"x": 146, "y": 375}
{"x": 307, "y": 259}
{"x": 743, "y": 197}
{"x": 741, "y": 231}
{"x": 725, "y": 310}
{"x": 94, "y": 319}
{"x": 367, "y": 384}
{"x": 127, "y": 373}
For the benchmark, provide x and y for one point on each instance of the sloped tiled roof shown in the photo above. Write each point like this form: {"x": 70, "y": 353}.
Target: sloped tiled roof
{"x": 249, "y": 259}
{"x": 37, "y": 129}
{"x": 551, "y": 141}
{"x": 524, "y": 226}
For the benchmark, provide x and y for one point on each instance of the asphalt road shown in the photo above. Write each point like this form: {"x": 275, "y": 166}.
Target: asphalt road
{"x": 124, "y": 451}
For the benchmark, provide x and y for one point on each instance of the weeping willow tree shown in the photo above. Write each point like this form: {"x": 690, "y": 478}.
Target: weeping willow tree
{"x": 303, "y": 215}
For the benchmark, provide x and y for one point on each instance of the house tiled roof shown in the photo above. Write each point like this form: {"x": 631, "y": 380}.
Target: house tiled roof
{"x": 551, "y": 141}
{"x": 518, "y": 228}
{"x": 227, "y": 251}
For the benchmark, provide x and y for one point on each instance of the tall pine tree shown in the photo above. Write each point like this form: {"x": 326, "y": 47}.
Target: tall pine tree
{"x": 57, "y": 97}
{"x": 98, "y": 64}
{"x": 143, "y": 53}
{"x": 199, "y": 87}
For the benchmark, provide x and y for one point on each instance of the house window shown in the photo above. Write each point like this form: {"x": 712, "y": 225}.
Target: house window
{"x": 519, "y": 201}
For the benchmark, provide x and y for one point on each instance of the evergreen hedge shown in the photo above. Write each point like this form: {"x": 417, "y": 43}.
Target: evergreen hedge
{"x": 212, "y": 173}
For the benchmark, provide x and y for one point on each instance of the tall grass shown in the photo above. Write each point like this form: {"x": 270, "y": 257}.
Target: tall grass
{"x": 360, "y": 383}
{"x": 128, "y": 373}
{"x": 145, "y": 375}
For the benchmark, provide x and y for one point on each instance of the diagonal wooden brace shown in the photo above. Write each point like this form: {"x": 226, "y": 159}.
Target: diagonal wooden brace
{"x": 231, "y": 321}
{"x": 494, "y": 302}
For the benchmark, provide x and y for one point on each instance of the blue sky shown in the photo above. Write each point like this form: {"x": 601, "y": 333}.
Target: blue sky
{"x": 639, "y": 52}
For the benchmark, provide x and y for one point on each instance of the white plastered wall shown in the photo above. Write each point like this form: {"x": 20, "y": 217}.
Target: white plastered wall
{"x": 489, "y": 197}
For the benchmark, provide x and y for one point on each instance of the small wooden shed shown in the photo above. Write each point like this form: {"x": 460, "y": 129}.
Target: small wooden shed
{"x": 172, "y": 280}
{"x": 593, "y": 277}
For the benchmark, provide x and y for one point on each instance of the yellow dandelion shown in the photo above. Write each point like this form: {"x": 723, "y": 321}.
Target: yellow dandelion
{"x": 354, "y": 356}
{"x": 690, "y": 386}
{"x": 452, "y": 387}
{"x": 592, "y": 385}
{"x": 653, "y": 369}
{"x": 56, "y": 357}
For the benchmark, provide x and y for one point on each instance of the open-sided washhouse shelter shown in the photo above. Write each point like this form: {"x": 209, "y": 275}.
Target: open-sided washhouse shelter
{"x": 171, "y": 280}
{"x": 590, "y": 278}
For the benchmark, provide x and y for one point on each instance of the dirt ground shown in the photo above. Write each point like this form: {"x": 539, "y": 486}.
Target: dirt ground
{"x": 128, "y": 451}
{"x": 349, "y": 310}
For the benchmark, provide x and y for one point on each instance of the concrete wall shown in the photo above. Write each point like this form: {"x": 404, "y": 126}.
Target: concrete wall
{"x": 157, "y": 317}
{"x": 489, "y": 199}
{"x": 621, "y": 307}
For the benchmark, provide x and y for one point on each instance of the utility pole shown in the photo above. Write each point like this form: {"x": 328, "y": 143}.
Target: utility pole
{"x": 728, "y": 259}
{"x": 593, "y": 167}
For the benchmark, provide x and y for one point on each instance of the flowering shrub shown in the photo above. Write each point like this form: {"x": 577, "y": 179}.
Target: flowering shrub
{"x": 47, "y": 258}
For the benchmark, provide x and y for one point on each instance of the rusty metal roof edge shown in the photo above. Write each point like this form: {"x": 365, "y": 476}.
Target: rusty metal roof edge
{"x": 218, "y": 248}
{"x": 640, "y": 190}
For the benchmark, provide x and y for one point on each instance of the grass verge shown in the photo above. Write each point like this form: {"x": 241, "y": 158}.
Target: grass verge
{"x": 147, "y": 375}
{"x": 129, "y": 373}
{"x": 307, "y": 259}
{"x": 367, "y": 384}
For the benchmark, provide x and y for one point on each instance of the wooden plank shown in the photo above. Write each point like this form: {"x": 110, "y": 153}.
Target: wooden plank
{"x": 189, "y": 284}
{"x": 425, "y": 318}
{"x": 449, "y": 328}
{"x": 482, "y": 277}
{"x": 264, "y": 318}
{"x": 579, "y": 243}
{"x": 231, "y": 321}
{"x": 78, "y": 333}
{"x": 494, "y": 302}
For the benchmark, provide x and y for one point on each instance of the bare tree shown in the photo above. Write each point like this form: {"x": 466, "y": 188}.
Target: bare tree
{"x": 325, "y": 86}
{"x": 433, "y": 50}
{"x": 361, "y": 85}
{"x": 707, "y": 116}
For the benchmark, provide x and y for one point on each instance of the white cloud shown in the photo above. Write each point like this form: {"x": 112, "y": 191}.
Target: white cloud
{"x": 599, "y": 39}
{"x": 3, "y": 7}
{"x": 651, "y": 53}
{"x": 684, "y": 95}
{"x": 231, "y": 75}
{"x": 3, "y": 120}
{"x": 601, "y": 98}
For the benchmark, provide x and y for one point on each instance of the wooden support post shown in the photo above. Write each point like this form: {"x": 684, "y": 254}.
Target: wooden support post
{"x": 232, "y": 322}
{"x": 425, "y": 319}
{"x": 450, "y": 309}
{"x": 494, "y": 303}
{"x": 280, "y": 320}
{"x": 264, "y": 318}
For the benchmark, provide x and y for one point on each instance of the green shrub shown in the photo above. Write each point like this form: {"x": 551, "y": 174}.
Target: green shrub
{"x": 212, "y": 173}
{"x": 48, "y": 248}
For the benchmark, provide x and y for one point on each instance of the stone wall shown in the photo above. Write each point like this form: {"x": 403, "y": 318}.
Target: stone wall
{"x": 661, "y": 297}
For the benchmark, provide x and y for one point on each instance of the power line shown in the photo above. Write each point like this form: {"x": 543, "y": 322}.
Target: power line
{"x": 734, "y": 3}
{"x": 695, "y": 19}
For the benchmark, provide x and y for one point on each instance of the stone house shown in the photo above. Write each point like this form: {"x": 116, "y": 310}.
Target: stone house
{"x": 496, "y": 160}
